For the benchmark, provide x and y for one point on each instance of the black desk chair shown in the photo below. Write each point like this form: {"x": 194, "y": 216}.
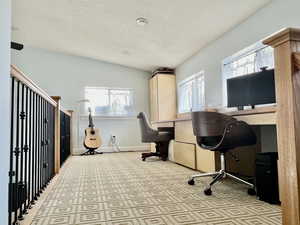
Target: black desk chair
{"x": 161, "y": 137}
{"x": 219, "y": 132}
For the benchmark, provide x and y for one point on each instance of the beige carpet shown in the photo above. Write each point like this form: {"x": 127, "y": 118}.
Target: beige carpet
{"x": 119, "y": 188}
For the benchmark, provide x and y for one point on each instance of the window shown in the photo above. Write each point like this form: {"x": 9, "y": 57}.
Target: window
{"x": 247, "y": 61}
{"x": 191, "y": 93}
{"x": 110, "y": 101}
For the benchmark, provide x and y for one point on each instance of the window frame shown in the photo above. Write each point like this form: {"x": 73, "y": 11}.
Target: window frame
{"x": 194, "y": 100}
{"x": 110, "y": 115}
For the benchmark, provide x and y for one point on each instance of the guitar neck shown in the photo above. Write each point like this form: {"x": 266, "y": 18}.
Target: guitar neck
{"x": 91, "y": 124}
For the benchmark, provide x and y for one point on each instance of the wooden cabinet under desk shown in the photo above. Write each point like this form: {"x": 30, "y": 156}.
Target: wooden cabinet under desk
{"x": 203, "y": 160}
{"x": 185, "y": 154}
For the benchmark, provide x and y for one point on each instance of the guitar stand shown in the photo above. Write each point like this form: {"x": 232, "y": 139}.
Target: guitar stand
{"x": 91, "y": 151}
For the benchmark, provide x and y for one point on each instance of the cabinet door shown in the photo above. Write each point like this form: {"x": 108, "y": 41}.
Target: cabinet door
{"x": 166, "y": 87}
{"x": 184, "y": 132}
{"x": 153, "y": 145}
{"x": 153, "y": 99}
{"x": 185, "y": 154}
{"x": 205, "y": 160}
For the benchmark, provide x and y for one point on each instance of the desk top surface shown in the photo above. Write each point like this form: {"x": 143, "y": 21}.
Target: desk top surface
{"x": 228, "y": 111}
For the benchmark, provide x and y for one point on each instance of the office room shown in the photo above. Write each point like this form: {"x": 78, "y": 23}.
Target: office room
{"x": 150, "y": 112}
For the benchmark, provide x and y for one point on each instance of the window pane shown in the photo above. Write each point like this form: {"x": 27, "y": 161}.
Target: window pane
{"x": 191, "y": 94}
{"x": 110, "y": 101}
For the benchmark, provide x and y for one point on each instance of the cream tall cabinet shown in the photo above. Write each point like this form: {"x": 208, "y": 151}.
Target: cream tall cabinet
{"x": 163, "y": 97}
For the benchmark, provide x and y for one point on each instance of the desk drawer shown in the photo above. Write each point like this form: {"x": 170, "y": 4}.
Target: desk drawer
{"x": 152, "y": 145}
{"x": 205, "y": 160}
{"x": 258, "y": 119}
{"x": 184, "y": 132}
{"x": 185, "y": 154}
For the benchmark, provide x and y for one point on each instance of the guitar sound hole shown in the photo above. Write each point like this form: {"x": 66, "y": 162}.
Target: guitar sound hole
{"x": 92, "y": 132}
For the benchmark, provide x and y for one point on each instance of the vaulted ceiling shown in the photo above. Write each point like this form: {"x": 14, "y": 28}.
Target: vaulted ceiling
{"x": 107, "y": 30}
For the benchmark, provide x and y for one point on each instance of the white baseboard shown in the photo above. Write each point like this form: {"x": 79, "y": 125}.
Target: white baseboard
{"x": 78, "y": 151}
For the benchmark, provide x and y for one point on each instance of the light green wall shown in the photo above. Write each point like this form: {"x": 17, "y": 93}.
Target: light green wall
{"x": 67, "y": 75}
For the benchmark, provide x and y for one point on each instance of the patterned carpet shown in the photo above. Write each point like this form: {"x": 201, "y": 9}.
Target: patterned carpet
{"x": 120, "y": 189}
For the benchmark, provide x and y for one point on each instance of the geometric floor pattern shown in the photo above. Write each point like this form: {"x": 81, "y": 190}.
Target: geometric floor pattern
{"x": 121, "y": 189}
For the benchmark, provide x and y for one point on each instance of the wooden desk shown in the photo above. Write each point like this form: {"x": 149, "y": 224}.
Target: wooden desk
{"x": 186, "y": 151}
{"x": 258, "y": 116}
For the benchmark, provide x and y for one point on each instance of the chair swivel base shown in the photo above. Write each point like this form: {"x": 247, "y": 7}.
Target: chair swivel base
{"x": 150, "y": 154}
{"x": 218, "y": 176}
{"x": 91, "y": 152}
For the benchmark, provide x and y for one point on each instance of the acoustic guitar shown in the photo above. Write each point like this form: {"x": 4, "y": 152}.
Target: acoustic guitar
{"x": 92, "y": 135}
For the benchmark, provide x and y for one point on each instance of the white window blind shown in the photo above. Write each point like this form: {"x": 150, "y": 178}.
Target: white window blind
{"x": 111, "y": 101}
{"x": 191, "y": 93}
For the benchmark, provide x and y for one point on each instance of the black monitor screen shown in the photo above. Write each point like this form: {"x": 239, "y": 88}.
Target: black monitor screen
{"x": 253, "y": 89}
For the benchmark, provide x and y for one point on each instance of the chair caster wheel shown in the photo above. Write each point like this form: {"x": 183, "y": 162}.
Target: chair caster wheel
{"x": 191, "y": 182}
{"x": 143, "y": 159}
{"x": 251, "y": 191}
{"x": 207, "y": 191}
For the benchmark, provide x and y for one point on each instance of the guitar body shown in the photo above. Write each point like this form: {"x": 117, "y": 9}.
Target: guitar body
{"x": 92, "y": 138}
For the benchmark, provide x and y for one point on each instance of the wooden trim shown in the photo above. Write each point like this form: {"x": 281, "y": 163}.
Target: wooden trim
{"x": 282, "y": 36}
{"x": 70, "y": 112}
{"x": 67, "y": 112}
{"x": 184, "y": 115}
{"x": 56, "y": 98}
{"x": 258, "y": 118}
{"x": 19, "y": 75}
{"x": 57, "y": 134}
{"x": 167, "y": 74}
{"x": 296, "y": 61}
{"x": 71, "y": 131}
{"x": 259, "y": 110}
{"x": 287, "y": 81}
{"x": 228, "y": 111}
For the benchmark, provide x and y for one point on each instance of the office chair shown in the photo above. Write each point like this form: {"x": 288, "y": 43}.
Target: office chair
{"x": 218, "y": 132}
{"x": 161, "y": 137}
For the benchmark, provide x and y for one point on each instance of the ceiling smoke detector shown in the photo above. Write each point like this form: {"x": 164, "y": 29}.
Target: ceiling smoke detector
{"x": 141, "y": 21}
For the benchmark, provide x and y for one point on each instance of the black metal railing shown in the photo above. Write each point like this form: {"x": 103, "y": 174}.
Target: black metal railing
{"x": 32, "y": 148}
{"x": 65, "y": 150}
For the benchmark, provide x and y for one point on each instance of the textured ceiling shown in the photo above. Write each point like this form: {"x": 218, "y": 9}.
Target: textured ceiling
{"x": 106, "y": 29}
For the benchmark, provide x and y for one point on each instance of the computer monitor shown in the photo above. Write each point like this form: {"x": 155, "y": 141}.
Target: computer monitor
{"x": 250, "y": 90}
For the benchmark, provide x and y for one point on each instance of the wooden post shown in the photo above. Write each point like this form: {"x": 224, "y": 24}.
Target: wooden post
{"x": 57, "y": 134}
{"x": 286, "y": 43}
{"x": 71, "y": 130}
